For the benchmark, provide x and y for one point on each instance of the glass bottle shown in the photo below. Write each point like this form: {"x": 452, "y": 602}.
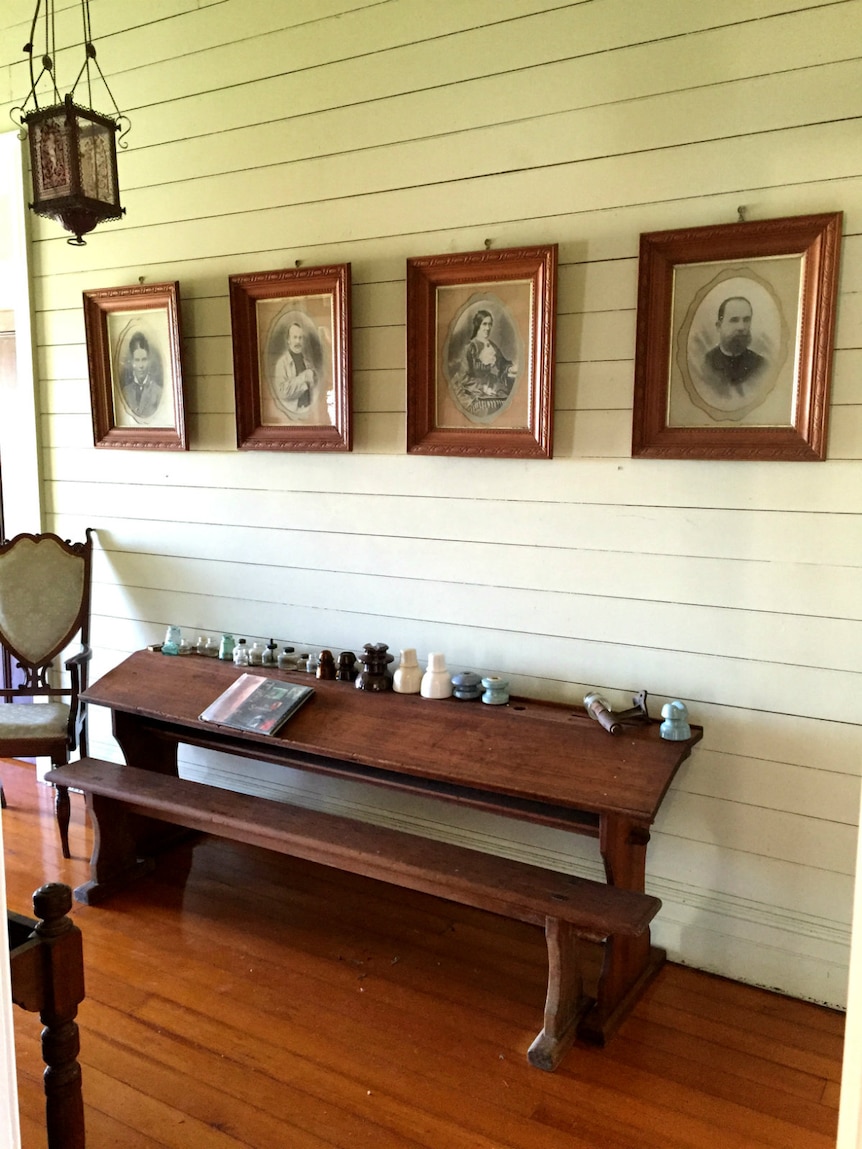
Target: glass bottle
{"x": 173, "y": 639}
{"x": 240, "y": 653}
{"x": 255, "y": 654}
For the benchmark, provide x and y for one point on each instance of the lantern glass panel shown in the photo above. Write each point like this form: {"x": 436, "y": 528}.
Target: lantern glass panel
{"x": 97, "y": 159}
{"x": 51, "y": 153}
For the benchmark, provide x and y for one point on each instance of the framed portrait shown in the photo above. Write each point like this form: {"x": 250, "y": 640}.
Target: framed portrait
{"x": 480, "y": 353}
{"x": 291, "y": 359}
{"x": 134, "y": 356}
{"x": 735, "y": 330}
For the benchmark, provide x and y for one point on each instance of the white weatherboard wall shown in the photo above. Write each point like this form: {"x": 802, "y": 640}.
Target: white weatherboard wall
{"x": 266, "y": 133}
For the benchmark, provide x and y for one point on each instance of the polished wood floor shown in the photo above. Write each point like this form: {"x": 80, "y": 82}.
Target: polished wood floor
{"x": 277, "y": 1005}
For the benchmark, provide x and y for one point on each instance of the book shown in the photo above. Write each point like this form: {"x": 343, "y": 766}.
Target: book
{"x": 257, "y": 704}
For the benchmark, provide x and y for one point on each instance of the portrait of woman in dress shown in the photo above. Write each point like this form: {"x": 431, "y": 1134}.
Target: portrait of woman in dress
{"x": 482, "y": 377}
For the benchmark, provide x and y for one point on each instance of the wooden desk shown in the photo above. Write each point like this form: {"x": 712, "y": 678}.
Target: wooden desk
{"x": 536, "y": 761}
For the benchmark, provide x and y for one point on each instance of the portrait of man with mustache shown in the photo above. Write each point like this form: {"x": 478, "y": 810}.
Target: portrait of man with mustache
{"x": 731, "y": 366}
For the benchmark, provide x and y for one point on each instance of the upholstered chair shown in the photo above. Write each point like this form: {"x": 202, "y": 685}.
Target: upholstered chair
{"x": 44, "y": 608}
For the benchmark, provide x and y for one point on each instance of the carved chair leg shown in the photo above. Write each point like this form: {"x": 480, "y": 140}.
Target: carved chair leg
{"x": 63, "y": 812}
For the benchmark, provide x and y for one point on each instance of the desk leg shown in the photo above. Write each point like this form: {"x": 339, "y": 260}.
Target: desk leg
{"x": 143, "y": 747}
{"x": 629, "y": 964}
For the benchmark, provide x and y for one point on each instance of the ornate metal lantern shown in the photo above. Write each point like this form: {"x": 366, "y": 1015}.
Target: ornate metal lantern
{"x": 73, "y": 150}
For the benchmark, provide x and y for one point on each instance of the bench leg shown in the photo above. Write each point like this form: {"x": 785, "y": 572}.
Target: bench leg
{"x": 566, "y": 1002}
{"x": 114, "y": 861}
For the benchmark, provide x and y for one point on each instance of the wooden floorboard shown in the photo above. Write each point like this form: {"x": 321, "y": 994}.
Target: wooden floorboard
{"x": 237, "y": 999}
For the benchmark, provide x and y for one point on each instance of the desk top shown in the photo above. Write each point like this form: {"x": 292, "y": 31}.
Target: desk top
{"x": 529, "y": 750}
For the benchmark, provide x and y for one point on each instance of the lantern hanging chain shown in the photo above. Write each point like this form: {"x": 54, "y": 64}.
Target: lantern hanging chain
{"x": 50, "y": 46}
{"x": 48, "y": 66}
{"x": 90, "y": 54}
{"x": 17, "y": 113}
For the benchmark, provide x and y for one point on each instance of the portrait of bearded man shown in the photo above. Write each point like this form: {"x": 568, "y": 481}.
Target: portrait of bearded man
{"x": 731, "y": 367}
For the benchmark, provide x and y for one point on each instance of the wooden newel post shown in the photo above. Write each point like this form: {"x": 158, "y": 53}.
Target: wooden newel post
{"x": 61, "y": 991}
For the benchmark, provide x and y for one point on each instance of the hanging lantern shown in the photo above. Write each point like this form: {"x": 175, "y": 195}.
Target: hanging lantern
{"x": 73, "y": 160}
{"x": 73, "y": 150}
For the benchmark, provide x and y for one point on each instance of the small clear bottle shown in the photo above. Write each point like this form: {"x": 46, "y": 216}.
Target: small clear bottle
{"x": 255, "y": 654}
{"x": 270, "y": 654}
{"x": 173, "y": 640}
{"x": 240, "y": 653}
{"x": 287, "y": 659}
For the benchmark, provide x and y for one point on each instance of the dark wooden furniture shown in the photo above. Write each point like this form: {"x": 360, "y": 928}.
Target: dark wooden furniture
{"x": 122, "y": 800}
{"x": 536, "y": 761}
{"x": 44, "y": 606}
{"x": 47, "y": 973}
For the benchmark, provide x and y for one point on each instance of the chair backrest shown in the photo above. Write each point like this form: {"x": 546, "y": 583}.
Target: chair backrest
{"x": 44, "y": 603}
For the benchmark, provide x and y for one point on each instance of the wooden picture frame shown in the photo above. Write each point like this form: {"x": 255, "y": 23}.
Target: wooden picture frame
{"x": 469, "y": 393}
{"x": 735, "y": 330}
{"x": 291, "y": 355}
{"x": 134, "y": 353}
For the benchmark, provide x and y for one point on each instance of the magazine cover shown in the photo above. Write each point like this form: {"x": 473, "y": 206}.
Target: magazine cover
{"x": 257, "y": 704}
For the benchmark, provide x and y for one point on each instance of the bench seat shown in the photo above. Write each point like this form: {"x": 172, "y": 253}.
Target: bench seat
{"x": 123, "y": 800}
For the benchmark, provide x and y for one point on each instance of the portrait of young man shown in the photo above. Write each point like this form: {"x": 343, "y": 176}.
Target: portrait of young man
{"x": 143, "y": 395}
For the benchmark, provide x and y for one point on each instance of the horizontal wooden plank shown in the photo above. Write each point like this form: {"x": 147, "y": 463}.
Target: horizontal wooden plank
{"x": 805, "y": 791}
{"x": 343, "y": 56}
{"x": 804, "y": 841}
{"x": 796, "y": 893}
{"x": 599, "y": 184}
{"x": 574, "y": 518}
{"x": 759, "y": 636}
{"x": 569, "y": 567}
{"x": 336, "y": 29}
{"x": 584, "y": 233}
{"x": 766, "y": 105}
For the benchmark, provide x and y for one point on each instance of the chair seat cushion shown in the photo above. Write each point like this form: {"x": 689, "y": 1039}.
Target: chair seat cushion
{"x": 48, "y": 719}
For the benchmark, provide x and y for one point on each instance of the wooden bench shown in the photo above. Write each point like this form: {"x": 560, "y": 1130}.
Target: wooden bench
{"x": 123, "y": 801}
